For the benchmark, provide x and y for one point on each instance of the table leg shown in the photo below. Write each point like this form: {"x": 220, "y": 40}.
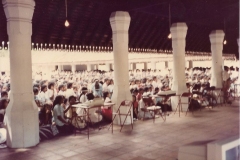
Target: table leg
{"x": 88, "y": 124}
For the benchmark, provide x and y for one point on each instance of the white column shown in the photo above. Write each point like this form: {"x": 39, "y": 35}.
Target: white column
{"x": 178, "y": 32}
{"x": 108, "y": 66}
{"x": 166, "y": 64}
{"x": 238, "y": 60}
{"x": 190, "y": 64}
{"x": 145, "y": 65}
{"x": 129, "y": 66}
{"x": 22, "y": 113}
{"x": 89, "y": 68}
{"x": 59, "y": 67}
{"x": 152, "y": 65}
{"x": 134, "y": 66}
{"x": 120, "y": 22}
{"x": 73, "y": 68}
{"x": 216, "y": 39}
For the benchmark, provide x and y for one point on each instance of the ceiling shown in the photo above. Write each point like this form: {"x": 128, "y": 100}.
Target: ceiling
{"x": 149, "y": 27}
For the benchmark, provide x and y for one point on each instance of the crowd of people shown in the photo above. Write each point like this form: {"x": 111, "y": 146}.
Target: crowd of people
{"x": 57, "y": 91}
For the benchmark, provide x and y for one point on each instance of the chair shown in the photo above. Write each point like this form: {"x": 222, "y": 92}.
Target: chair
{"x": 150, "y": 107}
{"x": 124, "y": 103}
{"x": 220, "y": 96}
{"x": 180, "y": 103}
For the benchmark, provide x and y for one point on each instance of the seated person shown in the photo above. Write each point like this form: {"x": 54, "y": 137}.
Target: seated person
{"x": 63, "y": 125}
{"x": 3, "y": 106}
{"x": 95, "y": 116}
{"x": 106, "y": 110}
{"x": 135, "y": 104}
{"x": 159, "y": 101}
{"x": 83, "y": 97}
{"x": 4, "y": 94}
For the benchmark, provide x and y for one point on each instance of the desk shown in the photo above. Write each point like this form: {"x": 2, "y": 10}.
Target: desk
{"x": 166, "y": 94}
{"x": 87, "y": 106}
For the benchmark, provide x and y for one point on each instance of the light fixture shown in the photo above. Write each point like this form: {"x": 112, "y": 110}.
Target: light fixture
{"x": 225, "y": 42}
{"x": 169, "y": 11}
{"x": 169, "y": 36}
{"x": 67, "y": 24}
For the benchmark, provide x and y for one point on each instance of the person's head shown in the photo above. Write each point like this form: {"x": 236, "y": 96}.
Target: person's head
{"x": 226, "y": 68}
{"x": 90, "y": 96}
{"x": 111, "y": 81}
{"x": 3, "y": 103}
{"x": 141, "y": 90}
{"x": 156, "y": 90}
{"x": 132, "y": 82}
{"x": 105, "y": 95}
{"x": 36, "y": 85}
{"x": 84, "y": 90}
{"x": 146, "y": 89}
{"x": 61, "y": 87}
{"x": 97, "y": 86}
{"x": 75, "y": 88}
{"x": 154, "y": 78}
{"x": 4, "y": 94}
{"x": 69, "y": 85}
{"x": 44, "y": 88}
{"x": 58, "y": 100}
{"x": 135, "y": 92}
{"x": 35, "y": 91}
{"x": 51, "y": 85}
{"x": 72, "y": 100}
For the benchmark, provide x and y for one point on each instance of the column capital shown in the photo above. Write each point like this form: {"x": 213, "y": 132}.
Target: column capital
{"x": 18, "y": 9}
{"x": 178, "y": 30}
{"x": 19, "y": 15}
{"x": 120, "y": 22}
{"x": 216, "y": 37}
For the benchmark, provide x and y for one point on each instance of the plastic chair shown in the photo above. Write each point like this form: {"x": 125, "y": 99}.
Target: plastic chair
{"x": 124, "y": 103}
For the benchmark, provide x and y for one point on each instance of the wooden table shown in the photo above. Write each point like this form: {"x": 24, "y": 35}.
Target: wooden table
{"x": 88, "y": 106}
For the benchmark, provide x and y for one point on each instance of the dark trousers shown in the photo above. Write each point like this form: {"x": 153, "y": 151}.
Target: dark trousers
{"x": 65, "y": 129}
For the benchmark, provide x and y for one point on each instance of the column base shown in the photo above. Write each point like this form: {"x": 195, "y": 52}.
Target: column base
{"x": 120, "y": 94}
{"x": 22, "y": 124}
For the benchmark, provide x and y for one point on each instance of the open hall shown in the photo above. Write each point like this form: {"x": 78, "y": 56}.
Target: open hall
{"x": 117, "y": 80}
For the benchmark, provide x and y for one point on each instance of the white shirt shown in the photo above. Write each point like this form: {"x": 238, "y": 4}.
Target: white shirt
{"x": 58, "y": 111}
{"x": 43, "y": 97}
{"x": 83, "y": 98}
{"x": 225, "y": 75}
{"x": 105, "y": 87}
{"x": 62, "y": 93}
{"x": 69, "y": 92}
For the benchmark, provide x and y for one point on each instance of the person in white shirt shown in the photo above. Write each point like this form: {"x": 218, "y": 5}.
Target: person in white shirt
{"x": 61, "y": 90}
{"x": 43, "y": 95}
{"x": 83, "y": 97}
{"x": 226, "y": 83}
{"x": 105, "y": 85}
{"x": 69, "y": 91}
{"x": 52, "y": 93}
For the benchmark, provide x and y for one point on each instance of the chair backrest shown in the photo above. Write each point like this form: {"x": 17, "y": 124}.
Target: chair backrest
{"x": 126, "y": 103}
{"x": 186, "y": 94}
{"x": 147, "y": 101}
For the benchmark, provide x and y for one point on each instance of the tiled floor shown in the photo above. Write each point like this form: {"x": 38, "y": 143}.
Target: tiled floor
{"x": 147, "y": 141}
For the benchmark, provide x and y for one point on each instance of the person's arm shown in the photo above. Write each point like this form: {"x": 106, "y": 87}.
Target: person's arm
{"x": 62, "y": 120}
